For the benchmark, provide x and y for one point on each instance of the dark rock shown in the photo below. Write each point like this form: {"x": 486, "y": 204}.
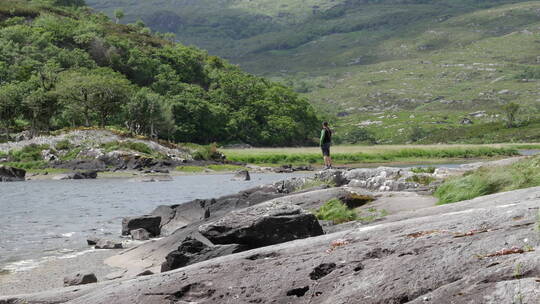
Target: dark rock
{"x": 148, "y": 222}
{"x": 108, "y": 244}
{"x": 80, "y": 164}
{"x": 140, "y": 234}
{"x": 194, "y": 250}
{"x": 466, "y": 121}
{"x": 80, "y": 279}
{"x": 242, "y": 175}
{"x": 322, "y": 271}
{"x": 92, "y": 240}
{"x": 145, "y": 273}
{"x": 11, "y": 174}
{"x": 262, "y": 225}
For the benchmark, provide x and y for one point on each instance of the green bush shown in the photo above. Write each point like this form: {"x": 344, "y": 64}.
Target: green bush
{"x": 429, "y": 169}
{"x": 129, "y": 145}
{"x": 63, "y": 145}
{"x": 336, "y": 211}
{"x": 29, "y": 153}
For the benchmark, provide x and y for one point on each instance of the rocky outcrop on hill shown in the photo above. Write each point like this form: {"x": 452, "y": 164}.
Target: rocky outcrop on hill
{"x": 484, "y": 250}
{"x": 11, "y": 174}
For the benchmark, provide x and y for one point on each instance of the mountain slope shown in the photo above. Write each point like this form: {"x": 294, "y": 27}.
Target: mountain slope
{"x": 63, "y": 66}
{"x": 383, "y": 71}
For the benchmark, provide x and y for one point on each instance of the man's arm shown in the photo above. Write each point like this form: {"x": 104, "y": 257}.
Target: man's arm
{"x": 323, "y": 134}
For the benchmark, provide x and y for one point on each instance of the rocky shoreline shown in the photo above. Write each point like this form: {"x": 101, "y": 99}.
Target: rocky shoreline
{"x": 264, "y": 245}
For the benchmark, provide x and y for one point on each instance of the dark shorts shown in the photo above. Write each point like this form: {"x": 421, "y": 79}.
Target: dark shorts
{"x": 325, "y": 149}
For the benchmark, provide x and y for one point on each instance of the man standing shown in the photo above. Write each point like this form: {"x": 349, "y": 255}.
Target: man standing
{"x": 326, "y": 141}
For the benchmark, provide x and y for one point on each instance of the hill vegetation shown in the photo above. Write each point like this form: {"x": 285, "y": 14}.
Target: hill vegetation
{"x": 384, "y": 71}
{"x": 61, "y": 65}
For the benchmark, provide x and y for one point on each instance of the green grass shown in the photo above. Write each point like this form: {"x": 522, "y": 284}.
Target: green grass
{"x": 129, "y": 145}
{"x": 486, "y": 181}
{"x": 310, "y": 184}
{"x": 28, "y": 165}
{"x": 421, "y": 179}
{"x": 30, "y": 153}
{"x": 373, "y": 155}
{"x": 429, "y": 169}
{"x": 336, "y": 211}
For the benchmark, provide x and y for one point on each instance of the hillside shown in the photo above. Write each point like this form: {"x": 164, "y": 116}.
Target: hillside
{"x": 387, "y": 71}
{"x": 61, "y": 65}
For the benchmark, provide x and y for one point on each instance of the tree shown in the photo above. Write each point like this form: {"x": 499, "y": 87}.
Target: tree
{"x": 38, "y": 108}
{"x": 95, "y": 94}
{"x": 510, "y": 110}
{"x": 118, "y": 15}
{"x": 10, "y": 105}
{"x": 147, "y": 113}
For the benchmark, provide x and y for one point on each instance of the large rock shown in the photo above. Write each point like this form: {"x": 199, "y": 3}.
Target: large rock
{"x": 482, "y": 251}
{"x": 262, "y": 225}
{"x": 148, "y": 222}
{"x": 80, "y": 279}
{"x": 11, "y": 174}
{"x": 194, "y": 250}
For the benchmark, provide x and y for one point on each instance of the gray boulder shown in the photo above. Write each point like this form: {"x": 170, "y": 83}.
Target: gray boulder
{"x": 92, "y": 240}
{"x": 108, "y": 244}
{"x": 11, "y": 174}
{"x": 194, "y": 250}
{"x": 80, "y": 279}
{"x": 140, "y": 234}
{"x": 148, "y": 222}
{"x": 263, "y": 225}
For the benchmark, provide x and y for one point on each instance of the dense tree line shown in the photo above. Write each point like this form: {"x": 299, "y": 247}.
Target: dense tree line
{"x": 63, "y": 66}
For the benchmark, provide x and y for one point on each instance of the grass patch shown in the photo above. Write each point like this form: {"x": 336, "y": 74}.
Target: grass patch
{"x": 336, "y": 211}
{"x": 63, "y": 145}
{"x": 366, "y": 154}
{"x": 484, "y": 181}
{"x": 421, "y": 179}
{"x": 429, "y": 169}
{"x": 129, "y": 145}
{"x": 225, "y": 167}
{"x": 372, "y": 215}
{"x": 30, "y": 153}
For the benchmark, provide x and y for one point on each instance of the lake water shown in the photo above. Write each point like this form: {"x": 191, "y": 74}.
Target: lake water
{"x": 45, "y": 219}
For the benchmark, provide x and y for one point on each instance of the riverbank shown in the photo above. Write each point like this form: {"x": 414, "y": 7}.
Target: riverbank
{"x": 398, "y": 234}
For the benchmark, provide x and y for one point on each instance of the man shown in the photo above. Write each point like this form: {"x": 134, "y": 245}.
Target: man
{"x": 326, "y": 141}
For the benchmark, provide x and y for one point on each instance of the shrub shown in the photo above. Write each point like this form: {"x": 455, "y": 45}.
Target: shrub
{"x": 336, "y": 211}
{"x": 29, "y": 153}
{"x": 63, "y": 145}
{"x": 429, "y": 169}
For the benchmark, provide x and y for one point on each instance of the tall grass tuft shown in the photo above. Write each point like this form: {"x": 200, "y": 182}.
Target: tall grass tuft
{"x": 484, "y": 181}
{"x": 336, "y": 211}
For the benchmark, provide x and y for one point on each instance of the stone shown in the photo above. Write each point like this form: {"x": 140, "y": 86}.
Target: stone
{"x": 115, "y": 275}
{"x": 148, "y": 222}
{"x": 193, "y": 250}
{"x": 261, "y": 225}
{"x": 11, "y": 174}
{"x": 108, "y": 244}
{"x": 140, "y": 234}
{"x": 80, "y": 279}
{"x": 242, "y": 175}
{"x": 92, "y": 240}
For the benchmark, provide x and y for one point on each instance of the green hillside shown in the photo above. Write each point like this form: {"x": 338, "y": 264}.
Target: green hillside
{"x": 387, "y": 71}
{"x": 61, "y": 65}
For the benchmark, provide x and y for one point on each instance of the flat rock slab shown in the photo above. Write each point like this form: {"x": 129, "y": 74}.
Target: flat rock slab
{"x": 481, "y": 251}
{"x": 264, "y": 224}
{"x": 80, "y": 279}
